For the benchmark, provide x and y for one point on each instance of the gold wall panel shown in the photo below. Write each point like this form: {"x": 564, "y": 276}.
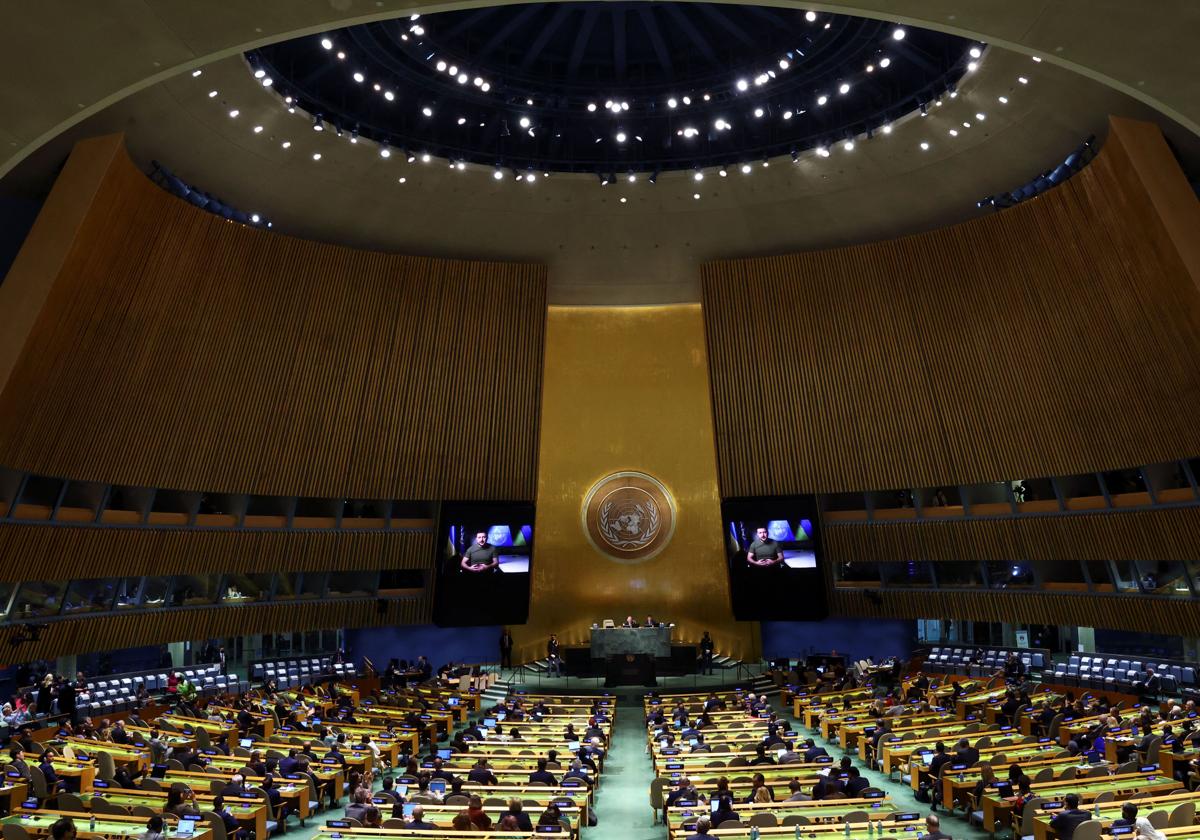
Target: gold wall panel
{"x": 626, "y": 388}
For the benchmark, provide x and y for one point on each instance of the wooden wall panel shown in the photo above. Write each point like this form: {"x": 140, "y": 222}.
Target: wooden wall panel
{"x": 113, "y": 632}
{"x": 60, "y": 552}
{"x": 1057, "y": 337}
{"x": 1170, "y": 616}
{"x": 1154, "y": 535}
{"x": 179, "y": 350}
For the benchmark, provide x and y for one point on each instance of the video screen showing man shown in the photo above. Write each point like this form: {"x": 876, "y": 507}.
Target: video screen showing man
{"x": 764, "y": 551}
{"x": 481, "y": 556}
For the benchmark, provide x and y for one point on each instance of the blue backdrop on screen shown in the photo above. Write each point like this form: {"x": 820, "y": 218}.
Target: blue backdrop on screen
{"x": 484, "y": 551}
{"x": 776, "y": 568}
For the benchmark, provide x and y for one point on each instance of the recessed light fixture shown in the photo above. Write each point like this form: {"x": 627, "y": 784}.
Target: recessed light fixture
{"x": 316, "y": 155}
{"x": 924, "y": 146}
{"x": 898, "y": 33}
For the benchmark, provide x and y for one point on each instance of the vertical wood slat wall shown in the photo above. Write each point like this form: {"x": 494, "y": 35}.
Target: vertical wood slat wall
{"x": 59, "y": 552}
{"x": 180, "y": 350}
{"x": 1057, "y": 337}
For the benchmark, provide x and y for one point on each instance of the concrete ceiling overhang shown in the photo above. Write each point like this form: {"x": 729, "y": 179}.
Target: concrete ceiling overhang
{"x": 66, "y": 60}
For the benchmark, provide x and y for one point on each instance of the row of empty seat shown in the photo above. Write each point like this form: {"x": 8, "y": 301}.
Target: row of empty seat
{"x": 298, "y": 671}
{"x": 979, "y": 661}
{"x": 118, "y": 692}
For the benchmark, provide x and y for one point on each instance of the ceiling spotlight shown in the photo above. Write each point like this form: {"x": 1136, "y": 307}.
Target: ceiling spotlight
{"x": 972, "y": 66}
{"x": 603, "y": 179}
{"x": 524, "y": 122}
{"x": 953, "y": 132}
{"x": 976, "y": 52}
{"x": 747, "y": 168}
{"x": 341, "y": 56}
{"x": 462, "y": 120}
{"x": 317, "y": 124}
{"x": 620, "y": 136}
{"x": 632, "y": 177}
{"x": 924, "y": 146}
{"x": 353, "y": 135}
{"x": 698, "y": 175}
{"x": 258, "y": 74}
{"x": 822, "y": 151}
{"x": 477, "y": 81}
{"x": 441, "y": 66}
{"x": 689, "y": 131}
{"x": 810, "y": 16}
{"x": 326, "y": 43}
{"x": 254, "y": 217}
{"x": 766, "y": 162}
{"x": 758, "y": 112}
{"x": 385, "y": 152}
{"x": 463, "y": 78}
{"x": 1003, "y": 100}
{"x": 848, "y": 145}
{"x": 485, "y": 87}
{"x": 795, "y": 156}
{"x": 267, "y": 82}
{"x": 706, "y": 98}
{"x": 452, "y": 70}
{"x": 885, "y": 62}
{"x": 980, "y": 116}
{"x": 1022, "y": 80}
{"x": 258, "y": 129}
{"x": 844, "y": 88}
{"x": 696, "y": 196}
{"x": 286, "y": 144}
{"x": 234, "y": 113}
{"x": 1037, "y": 58}
{"x": 427, "y": 111}
{"x": 653, "y": 177}
{"x": 211, "y": 94}
{"x": 498, "y": 175}
{"x": 425, "y": 158}
{"x": 672, "y": 102}
{"x": 898, "y": 33}
{"x": 887, "y": 129}
{"x": 196, "y": 73}
{"x": 624, "y": 106}
{"x": 722, "y": 172}
{"x": 966, "y": 125}
{"x": 742, "y": 84}
{"x": 787, "y": 115}
{"x": 822, "y": 99}
{"x": 316, "y": 155}
{"x": 783, "y": 64}
{"x": 460, "y": 166}
{"x": 687, "y": 100}
{"x": 623, "y": 199}
{"x": 761, "y": 79}
{"x": 388, "y": 95}
{"x": 870, "y": 68}
{"x": 358, "y": 77}
{"x": 402, "y": 180}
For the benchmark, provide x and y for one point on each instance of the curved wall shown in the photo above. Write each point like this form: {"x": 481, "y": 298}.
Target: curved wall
{"x": 1056, "y": 337}
{"x": 176, "y": 349}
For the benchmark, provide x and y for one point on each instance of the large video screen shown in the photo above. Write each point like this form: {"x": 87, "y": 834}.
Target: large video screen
{"x": 773, "y": 548}
{"x": 484, "y": 552}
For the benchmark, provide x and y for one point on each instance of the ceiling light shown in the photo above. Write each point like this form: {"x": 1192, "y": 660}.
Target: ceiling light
{"x": 898, "y": 33}
{"x": 402, "y": 180}
{"x": 747, "y": 168}
{"x": 591, "y": 107}
{"x": 722, "y": 172}
{"x": 758, "y": 112}
{"x": 258, "y": 74}
{"x": 981, "y": 116}
{"x": 766, "y": 162}
{"x": 887, "y": 129}
{"x": 924, "y": 146}
{"x": 1037, "y": 59}
{"x": 696, "y": 196}
{"x": 632, "y": 177}
{"x": 672, "y": 102}
{"x": 425, "y": 158}
{"x": 196, "y": 73}
{"x": 460, "y": 166}
{"x": 972, "y": 66}
{"x": 624, "y": 106}
{"x": 286, "y": 144}
{"x": 976, "y": 52}
{"x": 870, "y": 68}
{"x": 254, "y": 217}
{"x": 341, "y": 56}
{"x": 783, "y": 64}
{"x": 427, "y": 111}
{"x": 822, "y": 151}
{"x": 498, "y": 175}
{"x": 452, "y": 70}
{"x": 885, "y": 62}
{"x": 524, "y": 122}
{"x": 385, "y": 152}
{"x": 689, "y": 131}
{"x": 1022, "y": 80}
{"x": 810, "y": 16}
{"x": 787, "y": 115}
{"x": 316, "y": 155}
{"x": 698, "y": 175}
{"x": 742, "y": 84}
{"x": 623, "y": 199}
{"x": 353, "y": 135}
{"x": 620, "y": 136}
{"x": 485, "y": 87}
{"x": 1003, "y": 100}
{"x": 462, "y": 120}
{"x": 258, "y": 129}
{"x": 463, "y": 78}
{"x": 477, "y": 81}
{"x": 848, "y": 145}
{"x": 529, "y": 102}
{"x": 966, "y": 124}
{"x": 822, "y": 99}
{"x": 267, "y": 82}
{"x": 441, "y": 66}
{"x": 234, "y": 113}
{"x": 706, "y": 98}
{"x": 317, "y": 124}
{"x": 761, "y": 79}
{"x": 358, "y": 77}
{"x": 954, "y": 132}
{"x": 844, "y": 88}
{"x": 326, "y": 43}
{"x": 211, "y": 94}
{"x": 388, "y": 95}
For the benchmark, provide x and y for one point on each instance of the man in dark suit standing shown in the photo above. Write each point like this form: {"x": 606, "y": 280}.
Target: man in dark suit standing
{"x": 554, "y": 663}
{"x": 506, "y": 648}
{"x": 707, "y": 647}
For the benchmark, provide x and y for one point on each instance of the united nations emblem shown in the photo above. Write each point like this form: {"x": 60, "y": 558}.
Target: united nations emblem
{"x": 629, "y": 516}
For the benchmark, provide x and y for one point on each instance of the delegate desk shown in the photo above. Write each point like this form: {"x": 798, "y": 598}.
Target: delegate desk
{"x": 997, "y": 809}
{"x": 618, "y": 641}
{"x": 38, "y": 823}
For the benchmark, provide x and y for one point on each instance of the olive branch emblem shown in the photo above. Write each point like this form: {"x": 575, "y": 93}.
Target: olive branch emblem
{"x": 645, "y": 528}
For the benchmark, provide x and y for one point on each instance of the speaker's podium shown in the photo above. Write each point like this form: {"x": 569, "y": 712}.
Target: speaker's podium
{"x": 630, "y": 653}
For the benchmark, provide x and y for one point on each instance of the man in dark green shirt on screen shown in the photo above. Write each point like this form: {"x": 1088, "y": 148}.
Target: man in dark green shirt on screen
{"x": 481, "y": 556}
{"x": 764, "y": 551}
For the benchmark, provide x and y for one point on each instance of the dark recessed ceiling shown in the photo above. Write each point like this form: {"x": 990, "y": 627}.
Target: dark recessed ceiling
{"x": 613, "y": 87}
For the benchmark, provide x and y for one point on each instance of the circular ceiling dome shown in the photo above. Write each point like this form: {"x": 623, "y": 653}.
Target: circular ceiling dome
{"x": 613, "y": 87}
